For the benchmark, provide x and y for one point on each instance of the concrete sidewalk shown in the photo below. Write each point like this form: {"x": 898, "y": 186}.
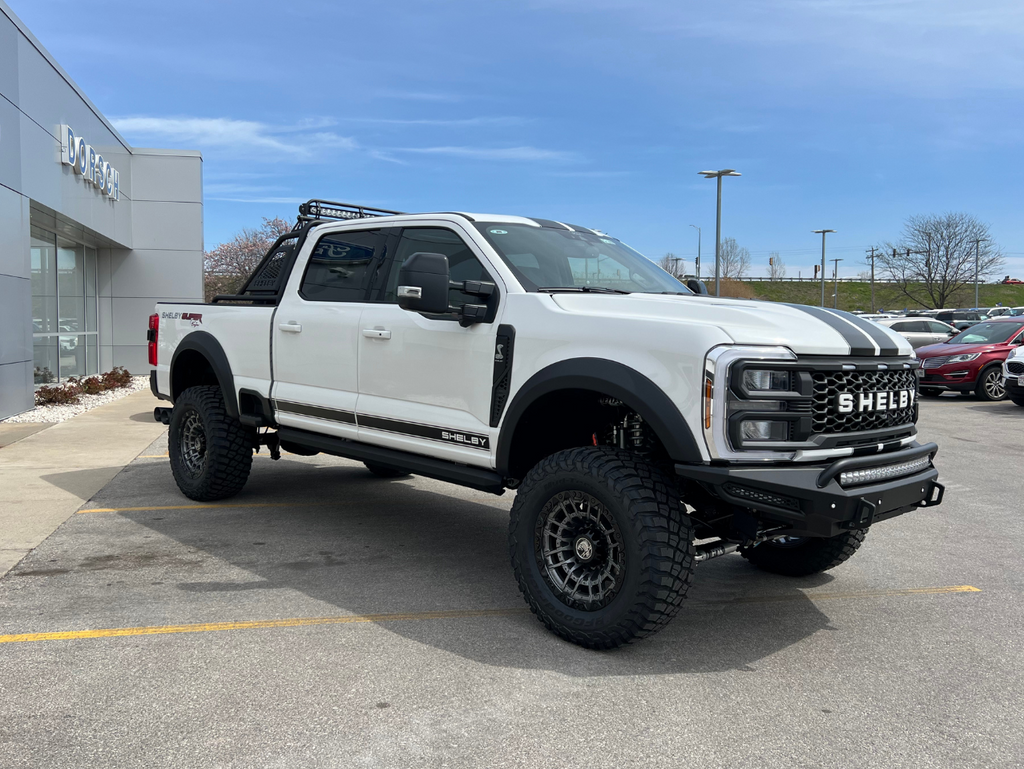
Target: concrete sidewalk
{"x": 45, "y": 477}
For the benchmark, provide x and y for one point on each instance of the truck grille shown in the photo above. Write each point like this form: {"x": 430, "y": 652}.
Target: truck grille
{"x": 1015, "y": 367}
{"x": 828, "y": 384}
{"x": 938, "y": 360}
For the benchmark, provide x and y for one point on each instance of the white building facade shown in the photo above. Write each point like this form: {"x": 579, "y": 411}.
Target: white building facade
{"x": 92, "y": 231}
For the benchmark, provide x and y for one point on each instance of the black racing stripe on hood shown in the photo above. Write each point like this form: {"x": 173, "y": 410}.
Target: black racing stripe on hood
{"x": 884, "y": 341}
{"x": 859, "y": 341}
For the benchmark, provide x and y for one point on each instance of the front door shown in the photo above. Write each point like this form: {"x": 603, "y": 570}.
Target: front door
{"x": 425, "y": 381}
{"x": 316, "y": 334}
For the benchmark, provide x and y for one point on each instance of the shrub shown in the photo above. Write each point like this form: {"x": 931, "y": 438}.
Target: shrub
{"x": 60, "y": 394}
{"x": 117, "y": 377}
{"x": 91, "y": 386}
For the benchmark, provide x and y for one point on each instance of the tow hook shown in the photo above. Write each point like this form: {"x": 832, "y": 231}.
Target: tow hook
{"x": 272, "y": 442}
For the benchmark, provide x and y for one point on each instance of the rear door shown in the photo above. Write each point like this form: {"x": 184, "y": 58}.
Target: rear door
{"x": 938, "y": 331}
{"x": 425, "y": 382}
{"x": 316, "y": 333}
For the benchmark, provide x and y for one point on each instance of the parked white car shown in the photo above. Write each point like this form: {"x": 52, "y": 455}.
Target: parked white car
{"x": 1013, "y": 375}
{"x": 920, "y": 331}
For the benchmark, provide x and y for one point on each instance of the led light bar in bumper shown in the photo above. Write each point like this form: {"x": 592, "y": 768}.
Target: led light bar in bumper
{"x": 884, "y": 472}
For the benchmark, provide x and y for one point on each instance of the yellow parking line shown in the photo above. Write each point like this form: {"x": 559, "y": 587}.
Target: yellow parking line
{"x": 206, "y": 627}
{"x": 200, "y": 507}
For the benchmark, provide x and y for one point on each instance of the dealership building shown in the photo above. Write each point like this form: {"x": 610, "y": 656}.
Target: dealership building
{"x": 92, "y": 231}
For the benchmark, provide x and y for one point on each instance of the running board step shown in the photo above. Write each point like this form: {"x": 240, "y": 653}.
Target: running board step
{"x": 463, "y": 475}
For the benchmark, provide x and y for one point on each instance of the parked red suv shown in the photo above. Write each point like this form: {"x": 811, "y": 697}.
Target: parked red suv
{"x": 972, "y": 360}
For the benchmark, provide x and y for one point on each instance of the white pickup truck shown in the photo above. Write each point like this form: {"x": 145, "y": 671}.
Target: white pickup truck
{"x": 645, "y": 426}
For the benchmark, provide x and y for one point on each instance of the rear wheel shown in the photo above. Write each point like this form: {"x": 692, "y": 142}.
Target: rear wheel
{"x": 601, "y": 546}
{"x": 384, "y": 472}
{"x": 210, "y": 453}
{"x": 803, "y": 556}
{"x": 990, "y": 385}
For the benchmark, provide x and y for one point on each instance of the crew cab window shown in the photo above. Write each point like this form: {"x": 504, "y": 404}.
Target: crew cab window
{"x": 462, "y": 262}
{"x": 341, "y": 267}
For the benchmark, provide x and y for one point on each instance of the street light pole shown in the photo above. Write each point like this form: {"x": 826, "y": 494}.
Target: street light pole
{"x": 822, "y": 232}
{"x": 977, "y": 260}
{"x": 718, "y": 222}
{"x": 697, "y": 270}
{"x": 835, "y": 277}
{"x": 873, "y": 249}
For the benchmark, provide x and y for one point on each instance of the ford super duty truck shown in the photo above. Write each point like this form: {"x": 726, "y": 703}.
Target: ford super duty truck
{"x": 644, "y": 425}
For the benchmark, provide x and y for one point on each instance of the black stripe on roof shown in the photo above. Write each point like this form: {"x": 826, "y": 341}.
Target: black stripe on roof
{"x": 549, "y": 223}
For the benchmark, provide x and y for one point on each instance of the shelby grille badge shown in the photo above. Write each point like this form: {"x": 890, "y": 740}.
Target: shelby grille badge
{"x": 890, "y": 400}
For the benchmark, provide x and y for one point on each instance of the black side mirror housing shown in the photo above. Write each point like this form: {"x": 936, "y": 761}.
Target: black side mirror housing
{"x": 697, "y": 286}
{"x": 423, "y": 283}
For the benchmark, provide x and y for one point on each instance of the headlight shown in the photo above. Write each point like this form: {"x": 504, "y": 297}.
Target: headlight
{"x": 760, "y": 381}
{"x": 764, "y": 430}
{"x": 966, "y": 357}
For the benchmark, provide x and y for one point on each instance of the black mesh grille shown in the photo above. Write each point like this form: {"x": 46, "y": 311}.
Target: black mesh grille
{"x": 764, "y": 497}
{"x": 828, "y": 384}
{"x": 1015, "y": 367}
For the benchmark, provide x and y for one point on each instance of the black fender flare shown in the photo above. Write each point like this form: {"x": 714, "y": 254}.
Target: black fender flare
{"x": 615, "y": 380}
{"x": 206, "y": 344}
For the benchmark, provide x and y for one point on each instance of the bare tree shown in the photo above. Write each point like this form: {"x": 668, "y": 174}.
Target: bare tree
{"x": 934, "y": 259}
{"x": 776, "y": 267}
{"x": 734, "y": 260}
{"x": 672, "y": 264}
{"x": 226, "y": 267}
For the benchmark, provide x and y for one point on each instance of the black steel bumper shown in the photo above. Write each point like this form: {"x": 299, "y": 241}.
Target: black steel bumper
{"x": 809, "y": 499}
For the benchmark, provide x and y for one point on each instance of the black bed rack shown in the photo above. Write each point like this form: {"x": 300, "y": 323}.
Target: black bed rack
{"x": 266, "y": 283}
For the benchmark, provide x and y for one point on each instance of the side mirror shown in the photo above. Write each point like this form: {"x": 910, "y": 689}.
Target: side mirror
{"x": 697, "y": 286}
{"x": 423, "y": 283}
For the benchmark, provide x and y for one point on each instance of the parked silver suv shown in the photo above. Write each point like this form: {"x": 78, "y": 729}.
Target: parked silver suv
{"x": 920, "y": 331}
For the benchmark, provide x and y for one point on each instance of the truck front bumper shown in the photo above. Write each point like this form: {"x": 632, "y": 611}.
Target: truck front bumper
{"x": 811, "y": 500}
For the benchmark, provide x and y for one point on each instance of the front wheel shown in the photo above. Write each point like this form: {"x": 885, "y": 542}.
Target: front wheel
{"x": 803, "y": 556}
{"x": 601, "y": 546}
{"x": 211, "y": 453}
{"x": 990, "y": 385}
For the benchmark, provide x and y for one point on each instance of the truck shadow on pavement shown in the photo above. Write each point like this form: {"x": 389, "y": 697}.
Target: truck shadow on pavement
{"x": 369, "y": 546}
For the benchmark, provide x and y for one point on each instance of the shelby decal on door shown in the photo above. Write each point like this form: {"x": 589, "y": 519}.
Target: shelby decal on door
{"x": 476, "y": 441}
{"x": 847, "y": 403}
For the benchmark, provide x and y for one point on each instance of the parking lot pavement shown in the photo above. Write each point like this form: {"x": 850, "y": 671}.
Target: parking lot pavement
{"x": 327, "y": 618}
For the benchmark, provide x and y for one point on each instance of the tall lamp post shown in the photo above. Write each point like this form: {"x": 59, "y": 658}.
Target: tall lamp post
{"x": 835, "y": 277}
{"x": 822, "y": 232}
{"x": 718, "y": 221}
{"x": 697, "y": 270}
{"x": 977, "y": 260}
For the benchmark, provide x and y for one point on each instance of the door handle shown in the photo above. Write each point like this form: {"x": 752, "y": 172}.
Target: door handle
{"x": 376, "y": 333}
{"x": 291, "y": 326}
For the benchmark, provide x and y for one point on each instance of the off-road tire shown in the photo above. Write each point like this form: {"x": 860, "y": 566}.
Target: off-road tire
{"x": 931, "y": 392}
{"x": 655, "y": 533}
{"x": 385, "y": 472}
{"x": 990, "y": 384}
{"x": 811, "y": 555}
{"x": 211, "y": 453}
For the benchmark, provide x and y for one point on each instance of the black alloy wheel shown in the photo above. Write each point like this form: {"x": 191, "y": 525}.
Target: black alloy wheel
{"x": 601, "y": 546}
{"x": 210, "y": 452}
{"x": 990, "y": 384}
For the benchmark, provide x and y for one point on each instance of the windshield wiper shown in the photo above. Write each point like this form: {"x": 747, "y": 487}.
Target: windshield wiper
{"x": 583, "y": 289}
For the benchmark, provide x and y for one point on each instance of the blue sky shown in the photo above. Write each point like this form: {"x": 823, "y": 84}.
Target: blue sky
{"x": 841, "y": 114}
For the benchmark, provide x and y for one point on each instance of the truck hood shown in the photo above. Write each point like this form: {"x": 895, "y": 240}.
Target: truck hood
{"x": 804, "y": 329}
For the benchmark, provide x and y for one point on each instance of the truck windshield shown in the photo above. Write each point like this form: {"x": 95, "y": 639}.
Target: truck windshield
{"x": 547, "y": 258}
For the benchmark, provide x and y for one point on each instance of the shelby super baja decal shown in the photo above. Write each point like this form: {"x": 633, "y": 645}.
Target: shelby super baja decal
{"x": 848, "y": 403}
{"x": 195, "y": 318}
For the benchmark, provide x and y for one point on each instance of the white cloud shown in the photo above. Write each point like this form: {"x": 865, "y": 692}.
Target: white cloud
{"x": 241, "y": 137}
{"x": 496, "y": 153}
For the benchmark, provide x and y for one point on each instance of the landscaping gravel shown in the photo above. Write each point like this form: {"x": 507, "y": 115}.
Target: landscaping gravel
{"x": 64, "y": 412}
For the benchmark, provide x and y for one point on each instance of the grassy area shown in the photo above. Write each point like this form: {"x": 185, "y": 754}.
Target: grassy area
{"x": 857, "y": 296}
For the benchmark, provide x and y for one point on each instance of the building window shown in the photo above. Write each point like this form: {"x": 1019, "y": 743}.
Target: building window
{"x": 64, "y": 311}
